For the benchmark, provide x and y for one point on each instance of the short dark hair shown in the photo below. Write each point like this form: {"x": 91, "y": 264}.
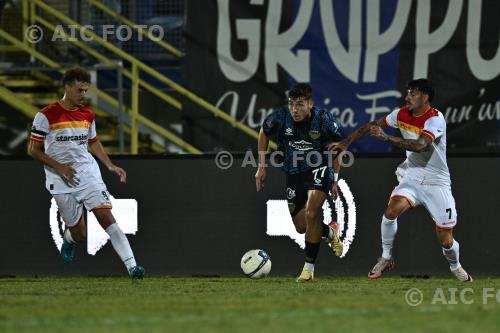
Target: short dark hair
{"x": 75, "y": 74}
{"x": 301, "y": 90}
{"x": 422, "y": 85}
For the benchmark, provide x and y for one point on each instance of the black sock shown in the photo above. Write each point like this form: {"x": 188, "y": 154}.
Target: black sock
{"x": 312, "y": 250}
{"x": 325, "y": 232}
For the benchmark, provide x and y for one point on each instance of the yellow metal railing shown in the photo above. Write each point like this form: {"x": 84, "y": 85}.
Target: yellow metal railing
{"x": 30, "y": 111}
{"x": 8, "y": 48}
{"x": 14, "y": 41}
{"x": 137, "y": 67}
{"x": 105, "y": 60}
{"x": 109, "y": 99}
{"x": 11, "y": 98}
{"x": 134, "y": 26}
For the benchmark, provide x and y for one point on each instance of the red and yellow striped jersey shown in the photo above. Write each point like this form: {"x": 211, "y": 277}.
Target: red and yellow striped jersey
{"x": 66, "y": 134}
{"x": 430, "y": 166}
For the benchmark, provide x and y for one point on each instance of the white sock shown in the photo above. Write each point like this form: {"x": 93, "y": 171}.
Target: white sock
{"x": 309, "y": 266}
{"x": 388, "y": 230}
{"x": 329, "y": 236}
{"x": 330, "y": 233}
{"x": 121, "y": 245}
{"x": 68, "y": 237}
{"x": 452, "y": 255}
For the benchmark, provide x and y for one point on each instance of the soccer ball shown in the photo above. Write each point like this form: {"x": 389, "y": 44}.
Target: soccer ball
{"x": 256, "y": 264}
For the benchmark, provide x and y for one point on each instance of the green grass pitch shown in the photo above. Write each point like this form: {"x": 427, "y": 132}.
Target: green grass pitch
{"x": 239, "y": 304}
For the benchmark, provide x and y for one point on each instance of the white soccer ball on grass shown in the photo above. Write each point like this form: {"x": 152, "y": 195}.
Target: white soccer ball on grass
{"x": 256, "y": 264}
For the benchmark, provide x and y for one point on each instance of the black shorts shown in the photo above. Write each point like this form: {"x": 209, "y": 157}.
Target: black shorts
{"x": 297, "y": 185}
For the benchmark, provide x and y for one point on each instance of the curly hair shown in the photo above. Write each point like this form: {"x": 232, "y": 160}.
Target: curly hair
{"x": 75, "y": 74}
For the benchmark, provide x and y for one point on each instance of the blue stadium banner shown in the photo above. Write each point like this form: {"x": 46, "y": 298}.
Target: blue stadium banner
{"x": 358, "y": 54}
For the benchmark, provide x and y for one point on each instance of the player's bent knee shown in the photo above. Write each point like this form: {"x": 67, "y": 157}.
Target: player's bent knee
{"x": 312, "y": 215}
{"x": 447, "y": 243}
{"x": 397, "y": 206}
{"x": 391, "y": 214}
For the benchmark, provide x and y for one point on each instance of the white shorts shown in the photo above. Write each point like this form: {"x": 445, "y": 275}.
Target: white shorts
{"x": 70, "y": 205}
{"x": 437, "y": 199}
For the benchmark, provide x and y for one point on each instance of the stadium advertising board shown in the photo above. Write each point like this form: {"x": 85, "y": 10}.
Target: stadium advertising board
{"x": 358, "y": 54}
{"x": 124, "y": 210}
{"x": 193, "y": 218}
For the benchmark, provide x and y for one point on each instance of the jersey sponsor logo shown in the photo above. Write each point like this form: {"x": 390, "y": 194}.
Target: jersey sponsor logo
{"x": 409, "y": 127}
{"x": 279, "y": 221}
{"x": 83, "y": 138}
{"x": 124, "y": 211}
{"x": 300, "y": 145}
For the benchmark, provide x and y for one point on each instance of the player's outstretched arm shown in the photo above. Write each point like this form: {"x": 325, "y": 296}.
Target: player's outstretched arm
{"x": 260, "y": 175}
{"x": 357, "y": 134}
{"x": 99, "y": 151}
{"x": 417, "y": 145}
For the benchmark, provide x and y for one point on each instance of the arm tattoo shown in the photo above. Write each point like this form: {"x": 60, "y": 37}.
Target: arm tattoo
{"x": 419, "y": 145}
{"x": 365, "y": 129}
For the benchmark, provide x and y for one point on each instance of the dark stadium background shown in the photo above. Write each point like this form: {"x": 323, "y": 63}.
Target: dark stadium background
{"x": 197, "y": 219}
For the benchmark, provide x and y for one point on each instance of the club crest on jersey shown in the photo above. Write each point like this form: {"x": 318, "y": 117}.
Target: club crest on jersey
{"x": 314, "y": 135}
{"x": 290, "y": 193}
{"x": 288, "y": 131}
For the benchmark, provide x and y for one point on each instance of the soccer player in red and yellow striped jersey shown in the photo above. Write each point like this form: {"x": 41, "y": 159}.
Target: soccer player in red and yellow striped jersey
{"x": 60, "y": 137}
